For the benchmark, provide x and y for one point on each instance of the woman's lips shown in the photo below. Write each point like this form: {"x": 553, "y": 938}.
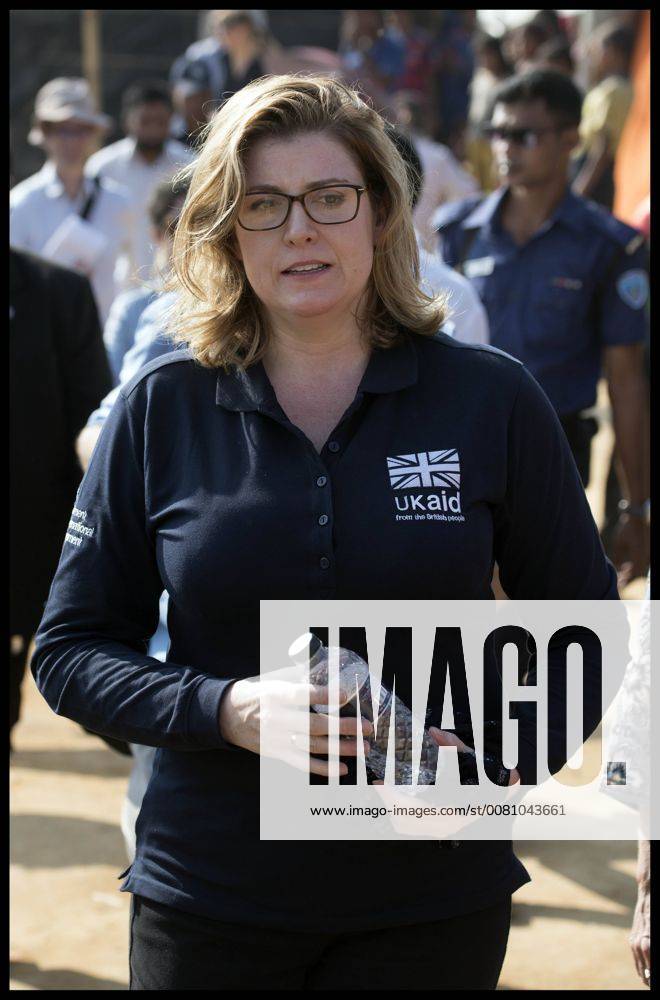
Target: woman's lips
{"x": 308, "y": 272}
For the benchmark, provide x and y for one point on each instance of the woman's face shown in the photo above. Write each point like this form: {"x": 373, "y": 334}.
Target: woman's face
{"x": 293, "y": 166}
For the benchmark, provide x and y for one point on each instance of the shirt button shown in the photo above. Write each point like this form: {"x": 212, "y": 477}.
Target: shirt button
{"x": 333, "y": 446}
{"x": 321, "y": 481}
{"x": 324, "y": 562}
{"x": 323, "y": 519}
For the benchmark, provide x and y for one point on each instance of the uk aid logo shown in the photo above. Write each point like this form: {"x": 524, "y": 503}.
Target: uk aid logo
{"x": 426, "y": 486}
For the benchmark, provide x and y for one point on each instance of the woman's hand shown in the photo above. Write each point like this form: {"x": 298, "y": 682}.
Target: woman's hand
{"x": 272, "y": 716}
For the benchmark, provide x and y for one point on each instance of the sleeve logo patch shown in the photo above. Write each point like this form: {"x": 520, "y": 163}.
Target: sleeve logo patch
{"x": 78, "y": 530}
{"x": 633, "y": 288}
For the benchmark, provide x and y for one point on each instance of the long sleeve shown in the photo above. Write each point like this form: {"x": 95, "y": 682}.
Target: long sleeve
{"x": 90, "y": 659}
{"x": 547, "y": 548}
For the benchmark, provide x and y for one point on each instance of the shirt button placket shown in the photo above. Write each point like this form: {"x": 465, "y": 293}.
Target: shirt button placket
{"x": 323, "y": 520}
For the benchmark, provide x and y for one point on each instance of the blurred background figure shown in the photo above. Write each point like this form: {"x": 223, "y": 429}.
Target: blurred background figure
{"x": 164, "y": 208}
{"x": 466, "y": 317}
{"x": 556, "y": 54}
{"x": 61, "y": 214}
{"x": 233, "y": 53}
{"x": 491, "y": 68}
{"x": 58, "y": 373}
{"x": 373, "y": 58}
{"x": 193, "y": 104}
{"x": 138, "y": 162}
{"x": 444, "y": 178}
{"x": 605, "y": 110}
{"x": 615, "y": 161}
{"x": 453, "y": 68}
{"x": 629, "y": 742}
{"x": 417, "y": 44}
{"x": 524, "y": 43}
{"x": 565, "y": 286}
{"x": 632, "y": 170}
{"x": 240, "y": 48}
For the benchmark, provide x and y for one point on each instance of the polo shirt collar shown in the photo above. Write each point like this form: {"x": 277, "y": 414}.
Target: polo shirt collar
{"x": 387, "y": 371}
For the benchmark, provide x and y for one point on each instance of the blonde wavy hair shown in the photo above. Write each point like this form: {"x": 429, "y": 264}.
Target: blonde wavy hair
{"x": 216, "y": 312}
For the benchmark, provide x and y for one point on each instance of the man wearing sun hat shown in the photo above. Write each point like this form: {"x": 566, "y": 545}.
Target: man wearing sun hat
{"x": 61, "y": 214}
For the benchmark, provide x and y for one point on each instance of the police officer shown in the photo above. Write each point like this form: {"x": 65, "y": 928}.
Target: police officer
{"x": 564, "y": 283}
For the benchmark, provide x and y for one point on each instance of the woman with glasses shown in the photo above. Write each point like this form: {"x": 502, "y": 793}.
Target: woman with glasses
{"x": 257, "y": 465}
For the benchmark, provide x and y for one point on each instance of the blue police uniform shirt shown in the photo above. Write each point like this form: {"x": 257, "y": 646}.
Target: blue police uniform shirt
{"x": 578, "y": 285}
{"x": 200, "y": 485}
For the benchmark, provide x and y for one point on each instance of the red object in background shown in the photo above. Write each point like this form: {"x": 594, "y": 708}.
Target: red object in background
{"x": 632, "y": 168}
{"x": 642, "y": 217}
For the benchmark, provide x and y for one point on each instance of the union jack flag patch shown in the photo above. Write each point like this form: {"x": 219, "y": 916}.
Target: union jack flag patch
{"x": 424, "y": 469}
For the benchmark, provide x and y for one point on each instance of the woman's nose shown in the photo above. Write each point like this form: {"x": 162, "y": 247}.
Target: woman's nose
{"x": 299, "y": 225}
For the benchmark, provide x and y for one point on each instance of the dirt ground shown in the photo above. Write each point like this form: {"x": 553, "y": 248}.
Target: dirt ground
{"x": 69, "y": 924}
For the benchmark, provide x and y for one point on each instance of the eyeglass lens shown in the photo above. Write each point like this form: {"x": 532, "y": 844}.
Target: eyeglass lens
{"x": 328, "y": 206}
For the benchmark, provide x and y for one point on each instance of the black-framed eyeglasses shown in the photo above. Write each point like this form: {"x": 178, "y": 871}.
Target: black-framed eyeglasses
{"x": 329, "y": 206}
{"x": 527, "y": 137}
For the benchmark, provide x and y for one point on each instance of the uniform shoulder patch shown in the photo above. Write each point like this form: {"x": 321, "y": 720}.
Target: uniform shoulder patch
{"x": 633, "y": 288}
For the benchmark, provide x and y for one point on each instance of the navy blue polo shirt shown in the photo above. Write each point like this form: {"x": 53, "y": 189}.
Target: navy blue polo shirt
{"x": 580, "y": 284}
{"x": 201, "y": 486}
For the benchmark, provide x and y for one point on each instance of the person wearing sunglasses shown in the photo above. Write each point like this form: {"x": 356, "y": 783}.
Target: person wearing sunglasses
{"x": 253, "y": 464}
{"x": 564, "y": 283}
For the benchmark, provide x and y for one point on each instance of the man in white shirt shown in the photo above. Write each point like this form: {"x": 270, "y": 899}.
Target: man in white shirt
{"x": 59, "y": 213}
{"x": 467, "y": 319}
{"x": 444, "y": 178}
{"x": 140, "y": 162}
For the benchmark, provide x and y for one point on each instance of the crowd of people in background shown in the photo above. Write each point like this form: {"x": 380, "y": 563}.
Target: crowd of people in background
{"x": 511, "y": 143}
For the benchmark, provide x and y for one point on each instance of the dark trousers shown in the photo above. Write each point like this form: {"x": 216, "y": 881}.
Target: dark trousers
{"x": 172, "y": 950}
